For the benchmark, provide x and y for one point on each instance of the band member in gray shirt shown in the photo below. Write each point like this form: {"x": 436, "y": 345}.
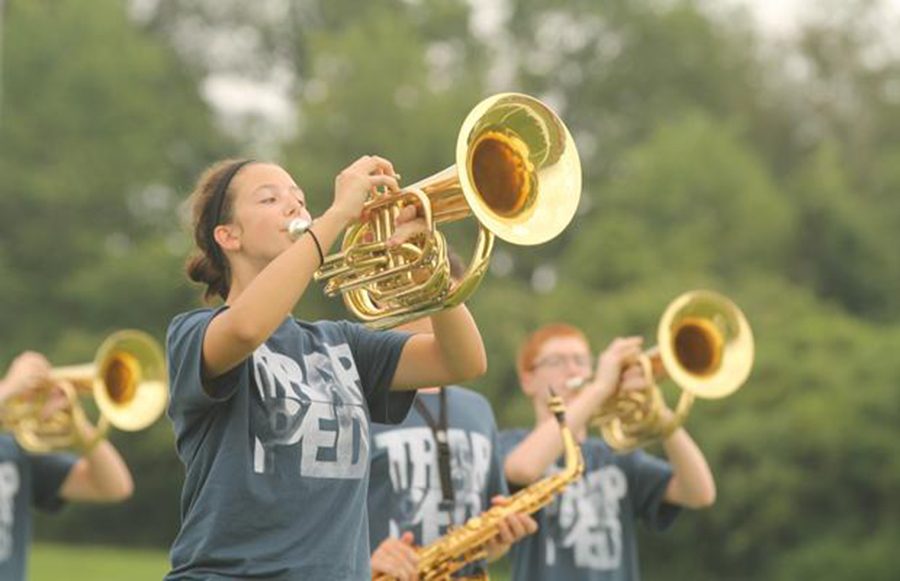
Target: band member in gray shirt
{"x": 271, "y": 413}
{"x": 589, "y": 532}
{"x": 47, "y": 481}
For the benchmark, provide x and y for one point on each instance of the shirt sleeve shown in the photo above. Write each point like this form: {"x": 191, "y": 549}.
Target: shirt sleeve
{"x": 49, "y": 472}
{"x": 377, "y": 354}
{"x": 184, "y": 350}
{"x": 649, "y": 478}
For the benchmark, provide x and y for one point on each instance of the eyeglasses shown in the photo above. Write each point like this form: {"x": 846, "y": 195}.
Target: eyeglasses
{"x": 559, "y": 360}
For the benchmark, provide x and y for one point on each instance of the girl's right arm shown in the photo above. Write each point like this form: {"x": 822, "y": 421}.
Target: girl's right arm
{"x": 263, "y": 305}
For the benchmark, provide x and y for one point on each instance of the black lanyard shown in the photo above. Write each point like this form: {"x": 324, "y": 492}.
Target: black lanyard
{"x": 439, "y": 429}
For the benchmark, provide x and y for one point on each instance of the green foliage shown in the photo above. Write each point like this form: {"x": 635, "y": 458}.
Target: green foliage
{"x": 102, "y": 129}
{"x": 691, "y": 199}
{"x": 839, "y": 238}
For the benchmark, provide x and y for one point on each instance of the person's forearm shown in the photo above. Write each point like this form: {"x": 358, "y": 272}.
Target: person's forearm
{"x": 692, "y": 483}
{"x": 459, "y": 342}
{"x": 272, "y": 295}
{"x": 108, "y": 473}
{"x": 100, "y": 475}
{"x": 540, "y": 449}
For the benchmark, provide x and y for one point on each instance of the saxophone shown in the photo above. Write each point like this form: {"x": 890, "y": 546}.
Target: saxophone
{"x": 468, "y": 543}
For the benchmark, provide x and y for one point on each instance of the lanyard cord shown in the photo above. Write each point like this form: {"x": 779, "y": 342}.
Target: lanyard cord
{"x": 439, "y": 429}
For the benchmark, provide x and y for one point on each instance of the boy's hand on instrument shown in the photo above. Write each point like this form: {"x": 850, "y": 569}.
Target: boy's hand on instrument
{"x": 513, "y": 528}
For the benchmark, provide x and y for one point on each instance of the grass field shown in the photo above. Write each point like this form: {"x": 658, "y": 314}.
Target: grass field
{"x": 84, "y": 563}
{"x": 78, "y": 563}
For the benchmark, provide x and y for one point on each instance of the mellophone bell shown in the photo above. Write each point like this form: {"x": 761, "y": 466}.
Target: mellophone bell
{"x": 517, "y": 172}
{"x": 127, "y": 381}
{"x": 704, "y": 345}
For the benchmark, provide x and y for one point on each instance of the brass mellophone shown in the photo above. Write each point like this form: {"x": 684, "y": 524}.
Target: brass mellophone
{"x": 467, "y": 544}
{"x": 704, "y": 345}
{"x": 517, "y": 172}
{"x": 126, "y": 380}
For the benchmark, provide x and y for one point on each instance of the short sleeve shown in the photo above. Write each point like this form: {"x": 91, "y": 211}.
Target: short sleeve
{"x": 649, "y": 477}
{"x": 377, "y": 354}
{"x": 49, "y": 472}
{"x": 184, "y": 352}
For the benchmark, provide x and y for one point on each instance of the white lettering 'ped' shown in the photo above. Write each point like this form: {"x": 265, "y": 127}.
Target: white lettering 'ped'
{"x": 323, "y": 413}
{"x": 589, "y": 519}
{"x": 9, "y": 488}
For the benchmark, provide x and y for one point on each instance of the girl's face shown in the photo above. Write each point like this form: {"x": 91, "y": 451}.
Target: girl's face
{"x": 266, "y": 198}
{"x": 560, "y": 360}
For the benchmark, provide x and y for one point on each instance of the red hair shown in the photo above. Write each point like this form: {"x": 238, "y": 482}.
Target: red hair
{"x": 530, "y": 348}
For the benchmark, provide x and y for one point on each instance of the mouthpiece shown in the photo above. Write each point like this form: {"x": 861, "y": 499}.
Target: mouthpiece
{"x": 297, "y": 227}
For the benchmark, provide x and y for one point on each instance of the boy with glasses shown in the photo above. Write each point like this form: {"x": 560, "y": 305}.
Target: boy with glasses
{"x": 589, "y": 532}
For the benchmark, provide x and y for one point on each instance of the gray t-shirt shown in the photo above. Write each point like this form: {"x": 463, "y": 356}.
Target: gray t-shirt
{"x": 277, "y": 462}
{"x": 405, "y": 486}
{"x": 589, "y": 531}
{"x": 26, "y": 480}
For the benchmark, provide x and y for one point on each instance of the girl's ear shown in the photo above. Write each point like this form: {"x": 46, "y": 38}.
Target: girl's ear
{"x": 227, "y": 236}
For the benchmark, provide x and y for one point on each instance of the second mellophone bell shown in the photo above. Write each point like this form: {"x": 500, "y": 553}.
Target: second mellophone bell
{"x": 704, "y": 345}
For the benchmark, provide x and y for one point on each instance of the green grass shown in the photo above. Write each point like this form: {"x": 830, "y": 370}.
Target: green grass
{"x": 50, "y": 562}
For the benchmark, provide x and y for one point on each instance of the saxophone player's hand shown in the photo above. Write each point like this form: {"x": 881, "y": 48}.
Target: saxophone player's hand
{"x": 513, "y": 528}
{"x": 397, "y": 558}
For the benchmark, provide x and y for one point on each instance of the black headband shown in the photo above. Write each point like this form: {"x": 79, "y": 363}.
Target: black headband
{"x": 218, "y": 200}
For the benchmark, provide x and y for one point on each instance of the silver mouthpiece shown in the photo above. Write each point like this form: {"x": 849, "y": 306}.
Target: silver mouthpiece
{"x": 576, "y": 382}
{"x": 297, "y": 227}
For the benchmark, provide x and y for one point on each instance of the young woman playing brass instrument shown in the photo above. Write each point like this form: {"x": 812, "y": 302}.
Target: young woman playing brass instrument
{"x": 271, "y": 413}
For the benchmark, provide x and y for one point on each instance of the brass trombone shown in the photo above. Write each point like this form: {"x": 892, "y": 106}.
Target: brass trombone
{"x": 127, "y": 380}
{"x": 705, "y": 346}
{"x": 517, "y": 171}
